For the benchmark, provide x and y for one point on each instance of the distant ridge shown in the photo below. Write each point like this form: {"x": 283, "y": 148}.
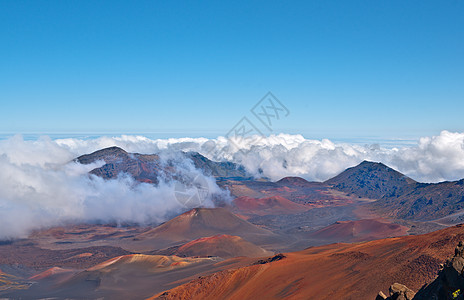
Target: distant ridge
{"x": 221, "y": 170}
{"x": 148, "y": 167}
{"x": 427, "y": 201}
{"x": 371, "y": 180}
{"x": 293, "y": 180}
{"x": 142, "y": 167}
{"x": 400, "y": 196}
{"x": 102, "y": 154}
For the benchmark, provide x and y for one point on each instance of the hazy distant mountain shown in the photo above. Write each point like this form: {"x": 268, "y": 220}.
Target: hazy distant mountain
{"x": 145, "y": 168}
{"x": 398, "y": 195}
{"x": 220, "y": 170}
{"x": 148, "y": 167}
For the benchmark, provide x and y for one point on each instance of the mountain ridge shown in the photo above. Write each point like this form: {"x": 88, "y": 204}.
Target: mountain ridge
{"x": 398, "y": 196}
{"x": 371, "y": 180}
{"x": 149, "y": 167}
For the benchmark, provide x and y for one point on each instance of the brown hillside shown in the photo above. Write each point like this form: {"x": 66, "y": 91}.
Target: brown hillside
{"x": 359, "y": 231}
{"x": 337, "y": 271}
{"x": 225, "y": 246}
{"x": 203, "y": 222}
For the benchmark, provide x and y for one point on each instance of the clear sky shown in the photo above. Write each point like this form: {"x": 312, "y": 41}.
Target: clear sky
{"x": 342, "y": 68}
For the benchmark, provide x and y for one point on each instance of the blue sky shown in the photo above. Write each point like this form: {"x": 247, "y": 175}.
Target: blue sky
{"x": 346, "y": 69}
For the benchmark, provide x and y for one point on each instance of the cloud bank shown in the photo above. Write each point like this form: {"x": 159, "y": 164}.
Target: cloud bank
{"x": 431, "y": 159}
{"x": 40, "y": 185}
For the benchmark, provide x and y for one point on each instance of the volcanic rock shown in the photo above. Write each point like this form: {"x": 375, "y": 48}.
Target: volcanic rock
{"x": 450, "y": 281}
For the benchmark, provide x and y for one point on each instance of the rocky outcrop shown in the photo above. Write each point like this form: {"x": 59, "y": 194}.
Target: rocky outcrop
{"x": 277, "y": 257}
{"x": 450, "y": 281}
{"x": 397, "y": 292}
{"x": 449, "y": 284}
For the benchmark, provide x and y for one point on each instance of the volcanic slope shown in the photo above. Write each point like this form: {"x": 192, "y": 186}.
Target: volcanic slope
{"x": 222, "y": 245}
{"x": 358, "y": 231}
{"x": 336, "y": 271}
{"x": 124, "y": 277}
{"x": 205, "y": 222}
{"x": 426, "y": 202}
{"x": 194, "y": 224}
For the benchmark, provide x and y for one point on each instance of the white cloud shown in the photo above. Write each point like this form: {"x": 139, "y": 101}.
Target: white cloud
{"x": 432, "y": 159}
{"x": 40, "y": 186}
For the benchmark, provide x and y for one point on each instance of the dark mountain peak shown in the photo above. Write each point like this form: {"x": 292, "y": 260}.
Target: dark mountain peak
{"x": 368, "y": 164}
{"x": 371, "y": 169}
{"x": 371, "y": 180}
{"x": 113, "y": 149}
{"x": 144, "y": 168}
{"x": 371, "y": 163}
{"x": 149, "y": 167}
{"x": 102, "y": 154}
{"x": 109, "y": 151}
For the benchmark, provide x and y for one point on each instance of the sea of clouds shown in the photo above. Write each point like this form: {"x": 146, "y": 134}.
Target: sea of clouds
{"x": 41, "y": 185}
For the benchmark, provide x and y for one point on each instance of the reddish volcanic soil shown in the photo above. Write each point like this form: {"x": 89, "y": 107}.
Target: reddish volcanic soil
{"x": 359, "y": 231}
{"x": 239, "y": 190}
{"x": 51, "y": 272}
{"x": 296, "y": 190}
{"x": 337, "y": 271}
{"x": 225, "y": 246}
{"x": 267, "y": 206}
{"x": 194, "y": 224}
{"x": 203, "y": 222}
